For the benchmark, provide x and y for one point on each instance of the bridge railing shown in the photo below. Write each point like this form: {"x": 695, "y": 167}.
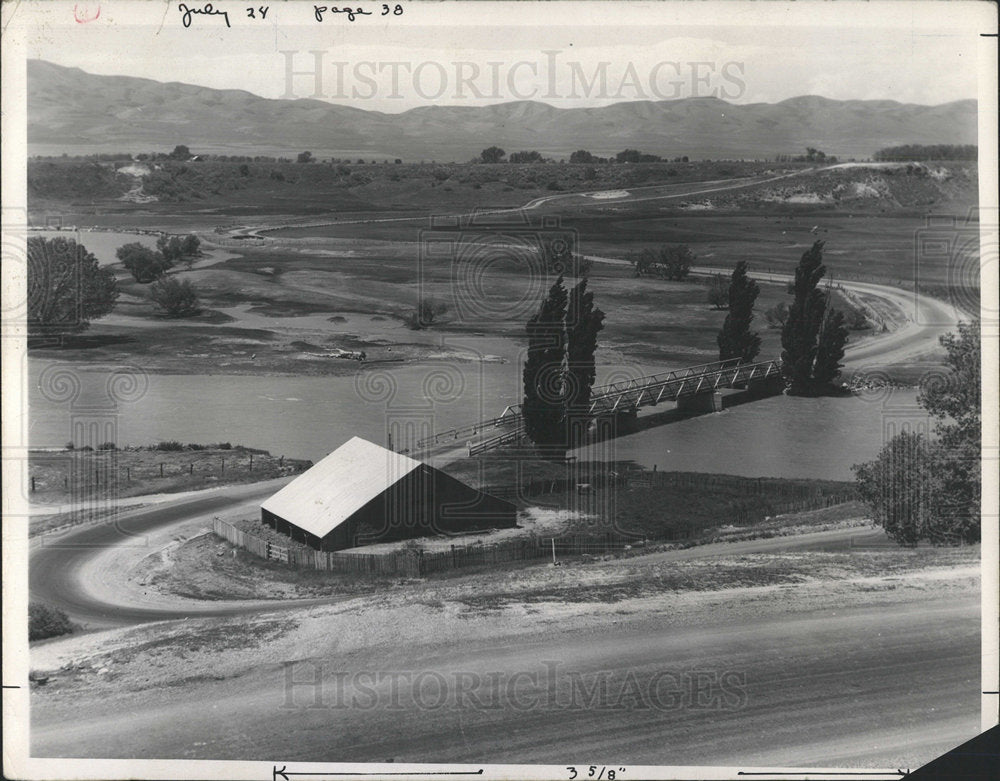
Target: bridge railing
{"x": 668, "y": 386}
{"x": 473, "y": 429}
{"x": 498, "y": 441}
{"x": 626, "y": 394}
{"x": 662, "y": 377}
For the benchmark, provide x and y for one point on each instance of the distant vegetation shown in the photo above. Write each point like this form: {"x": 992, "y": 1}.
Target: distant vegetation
{"x": 146, "y": 265}
{"x": 245, "y": 179}
{"x": 812, "y": 155}
{"x": 424, "y": 316}
{"x": 668, "y": 262}
{"x": 928, "y": 152}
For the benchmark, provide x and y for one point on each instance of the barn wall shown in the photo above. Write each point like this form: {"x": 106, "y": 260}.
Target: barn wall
{"x": 463, "y": 508}
{"x": 425, "y": 502}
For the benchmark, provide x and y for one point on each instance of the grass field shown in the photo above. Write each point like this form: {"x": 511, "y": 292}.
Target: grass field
{"x": 83, "y": 475}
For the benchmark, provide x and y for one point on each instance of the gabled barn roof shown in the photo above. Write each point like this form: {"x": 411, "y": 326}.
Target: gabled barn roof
{"x": 329, "y": 493}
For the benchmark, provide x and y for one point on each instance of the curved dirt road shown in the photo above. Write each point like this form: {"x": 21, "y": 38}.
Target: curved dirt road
{"x": 65, "y": 568}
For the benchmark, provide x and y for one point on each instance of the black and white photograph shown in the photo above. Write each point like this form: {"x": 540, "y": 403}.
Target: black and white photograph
{"x": 548, "y": 390}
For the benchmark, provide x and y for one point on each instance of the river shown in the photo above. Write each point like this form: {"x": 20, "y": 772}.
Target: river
{"x": 307, "y": 417}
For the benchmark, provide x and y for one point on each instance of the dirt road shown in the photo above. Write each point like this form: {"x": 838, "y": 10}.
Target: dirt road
{"x": 855, "y": 685}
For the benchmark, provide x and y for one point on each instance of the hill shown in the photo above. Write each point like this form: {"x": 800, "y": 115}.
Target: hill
{"x": 74, "y": 112}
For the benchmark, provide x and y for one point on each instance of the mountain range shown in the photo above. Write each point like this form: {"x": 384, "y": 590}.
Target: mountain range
{"x": 74, "y": 112}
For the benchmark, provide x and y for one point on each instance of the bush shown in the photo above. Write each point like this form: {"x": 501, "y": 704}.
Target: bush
{"x": 425, "y": 314}
{"x": 178, "y": 298}
{"x": 69, "y": 446}
{"x": 777, "y": 315}
{"x": 107, "y": 446}
{"x": 169, "y": 446}
{"x": 142, "y": 263}
{"x": 718, "y": 291}
{"x": 669, "y": 262}
{"x": 45, "y": 622}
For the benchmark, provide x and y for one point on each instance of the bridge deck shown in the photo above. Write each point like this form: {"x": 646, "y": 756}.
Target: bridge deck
{"x": 621, "y": 396}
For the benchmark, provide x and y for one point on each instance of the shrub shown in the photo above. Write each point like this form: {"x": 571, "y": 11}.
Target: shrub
{"x": 69, "y": 446}
{"x": 107, "y": 446}
{"x": 45, "y": 621}
{"x": 169, "y": 446}
{"x": 178, "y": 298}
{"x": 777, "y": 315}
{"x": 718, "y": 292}
{"x": 142, "y": 263}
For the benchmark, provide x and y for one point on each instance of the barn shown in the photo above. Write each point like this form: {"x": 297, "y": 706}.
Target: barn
{"x": 363, "y": 493}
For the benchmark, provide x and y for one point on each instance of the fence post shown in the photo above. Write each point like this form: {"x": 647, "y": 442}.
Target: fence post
{"x": 161, "y": 469}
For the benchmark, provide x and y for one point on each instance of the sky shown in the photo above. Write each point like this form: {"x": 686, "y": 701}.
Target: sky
{"x": 582, "y": 54}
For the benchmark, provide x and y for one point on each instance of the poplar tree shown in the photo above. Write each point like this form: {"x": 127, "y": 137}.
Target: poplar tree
{"x": 735, "y": 339}
{"x": 544, "y": 406}
{"x": 830, "y": 347}
{"x": 583, "y": 323}
{"x": 799, "y": 336}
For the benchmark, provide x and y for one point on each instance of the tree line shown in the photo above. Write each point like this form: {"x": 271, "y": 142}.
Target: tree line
{"x": 928, "y": 152}
{"x": 495, "y": 154}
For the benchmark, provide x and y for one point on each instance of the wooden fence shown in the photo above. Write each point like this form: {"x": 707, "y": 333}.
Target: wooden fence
{"x": 413, "y": 562}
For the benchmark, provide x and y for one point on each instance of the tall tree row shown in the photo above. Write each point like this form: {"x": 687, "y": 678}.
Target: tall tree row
{"x": 736, "y": 340}
{"x": 559, "y": 370}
